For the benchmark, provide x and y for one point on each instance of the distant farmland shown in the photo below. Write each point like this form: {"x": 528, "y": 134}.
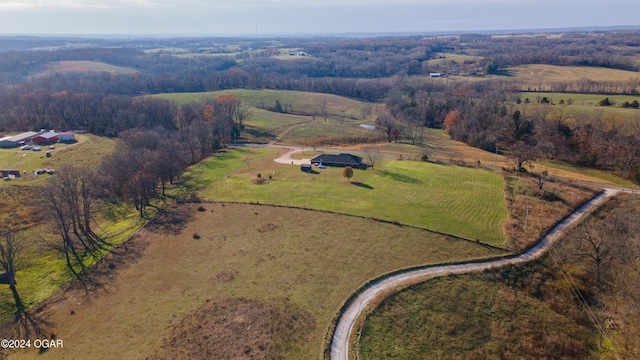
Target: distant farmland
{"x": 84, "y": 67}
{"x": 538, "y": 73}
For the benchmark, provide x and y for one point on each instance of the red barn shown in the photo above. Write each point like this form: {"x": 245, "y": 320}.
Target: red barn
{"x": 46, "y": 138}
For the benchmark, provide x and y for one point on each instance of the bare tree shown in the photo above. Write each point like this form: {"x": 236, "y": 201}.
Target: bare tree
{"x": 71, "y": 197}
{"x": 386, "y": 123}
{"x": 521, "y": 153}
{"x": 366, "y": 111}
{"x": 323, "y": 110}
{"x": 541, "y": 178}
{"x": 11, "y": 252}
{"x": 591, "y": 242}
{"x": 371, "y": 155}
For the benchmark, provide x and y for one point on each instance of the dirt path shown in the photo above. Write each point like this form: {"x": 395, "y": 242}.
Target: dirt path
{"x": 386, "y": 284}
{"x": 286, "y": 158}
{"x": 285, "y": 132}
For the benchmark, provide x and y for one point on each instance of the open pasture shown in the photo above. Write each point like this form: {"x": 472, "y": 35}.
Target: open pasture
{"x": 302, "y": 102}
{"x": 443, "y": 58}
{"x": 579, "y": 99}
{"x": 455, "y": 200}
{"x": 247, "y": 258}
{"x": 61, "y": 67}
{"x": 541, "y": 74}
{"x": 88, "y": 151}
{"x": 331, "y": 132}
{"x": 263, "y": 125}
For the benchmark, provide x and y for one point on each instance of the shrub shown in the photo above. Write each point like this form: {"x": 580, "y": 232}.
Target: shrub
{"x": 201, "y": 208}
{"x": 259, "y": 181}
{"x": 196, "y": 236}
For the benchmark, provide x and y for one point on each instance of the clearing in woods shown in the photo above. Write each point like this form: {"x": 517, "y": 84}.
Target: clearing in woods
{"x": 62, "y": 67}
{"x": 544, "y": 74}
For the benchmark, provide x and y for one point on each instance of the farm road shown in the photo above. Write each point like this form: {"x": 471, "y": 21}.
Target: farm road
{"x": 346, "y": 321}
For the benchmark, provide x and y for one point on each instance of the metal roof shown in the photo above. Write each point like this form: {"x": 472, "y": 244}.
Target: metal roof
{"x": 23, "y": 136}
{"x": 48, "y": 135}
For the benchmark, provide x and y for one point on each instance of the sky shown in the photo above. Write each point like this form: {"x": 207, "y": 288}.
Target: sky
{"x": 304, "y": 17}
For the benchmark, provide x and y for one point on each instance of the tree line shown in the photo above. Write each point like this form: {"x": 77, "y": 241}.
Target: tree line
{"x": 489, "y": 116}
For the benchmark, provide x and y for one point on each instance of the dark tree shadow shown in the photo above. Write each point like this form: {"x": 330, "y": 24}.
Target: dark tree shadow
{"x": 99, "y": 276}
{"x": 399, "y": 177}
{"x": 26, "y": 325}
{"x": 359, "y": 184}
{"x": 171, "y": 220}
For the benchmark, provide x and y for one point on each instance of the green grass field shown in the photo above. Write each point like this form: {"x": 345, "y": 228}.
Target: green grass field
{"x": 331, "y": 132}
{"x": 311, "y": 260}
{"x": 45, "y": 270}
{"x": 88, "y": 151}
{"x": 304, "y": 102}
{"x": 263, "y": 126}
{"x": 580, "y": 99}
{"x": 455, "y": 200}
{"x": 442, "y": 58}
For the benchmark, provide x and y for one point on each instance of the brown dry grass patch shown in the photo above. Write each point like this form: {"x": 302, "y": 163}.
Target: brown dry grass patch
{"x": 309, "y": 262}
{"x": 556, "y": 201}
{"x": 235, "y": 328}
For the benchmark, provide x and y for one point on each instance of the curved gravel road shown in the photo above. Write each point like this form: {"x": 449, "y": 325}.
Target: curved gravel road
{"x": 345, "y": 324}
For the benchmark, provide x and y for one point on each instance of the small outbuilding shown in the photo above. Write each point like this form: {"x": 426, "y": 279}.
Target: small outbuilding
{"x": 340, "y": 160}
{"x": 305, "y": 167}
{"x": 46, "y": 138}
{"x": 5, "y": 173}
{"x": 67, "y": 136}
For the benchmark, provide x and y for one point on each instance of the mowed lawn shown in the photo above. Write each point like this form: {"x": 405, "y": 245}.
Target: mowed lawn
{"x": 311, "y": 260}
{"x": 455, "y": 200}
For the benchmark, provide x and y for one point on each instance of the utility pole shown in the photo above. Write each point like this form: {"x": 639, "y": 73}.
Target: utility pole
{"x": 526, "y": 217}
{"x": 495, "y": 161}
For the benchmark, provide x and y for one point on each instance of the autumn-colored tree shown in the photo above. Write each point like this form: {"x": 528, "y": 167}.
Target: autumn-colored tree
{"x": 348, "y": 173}
{"x": 452, "y": 118}
{"x": 209, "y": 113}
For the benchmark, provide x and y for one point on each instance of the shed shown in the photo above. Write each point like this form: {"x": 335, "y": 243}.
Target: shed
{"x": 6, "y": 142}
{"x": 339, "y": 160}
{"x": 67, "y": 136}
{"x": 13, "y": 141}
{"x": 46, "y": 138}
{"x": 10, "y": 173}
